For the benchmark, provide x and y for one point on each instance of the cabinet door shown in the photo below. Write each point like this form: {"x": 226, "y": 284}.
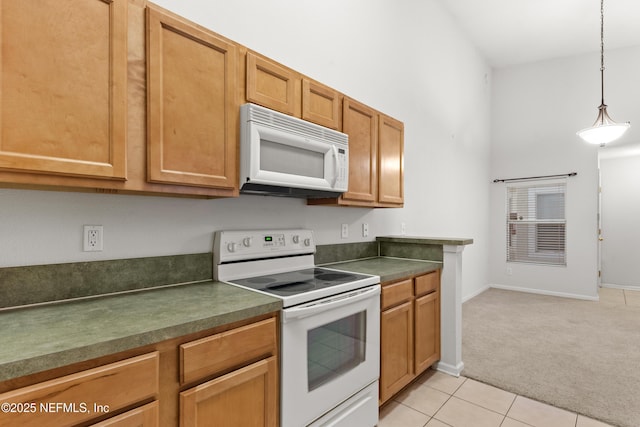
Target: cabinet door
{"x": 246, "y": 397}
{"x": 272, "y": 85}
{"x": 361, "y": 124}
{"x": 396, "y": 349}
{"x": 427, "y": 331}
{"x": 320, "y": 104}
{"x": 144, "y": 416}
{"x": 63, "y": 74}
{"x": 391, "y": 161}
{"x": 192, "y": 107}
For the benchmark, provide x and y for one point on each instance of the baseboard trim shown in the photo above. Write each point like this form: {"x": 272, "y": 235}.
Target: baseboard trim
{"x": 543, "y": 292}
{"x": 450, "y": 369}
{"x": 628, "y": 287}
{"x": 475, "y": 294}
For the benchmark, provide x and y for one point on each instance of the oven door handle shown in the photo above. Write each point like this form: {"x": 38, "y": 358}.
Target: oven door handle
{"x": 312, "y": 308}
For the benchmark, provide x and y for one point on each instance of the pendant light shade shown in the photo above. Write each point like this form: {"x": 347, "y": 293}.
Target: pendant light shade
{"x": 604, "y": 130}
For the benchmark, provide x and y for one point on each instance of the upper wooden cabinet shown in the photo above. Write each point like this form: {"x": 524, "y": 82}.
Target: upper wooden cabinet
{"x": 272, "y": 85}
{"x": 275, "y": 86}
{"x": 192, "y": 107}
{"x": 376, "y": 158}
{"x": 63, "y": 72}
{"x": 321, "y": 104}
{"x": 361, "y": 124}
{"x": 390, "y": 161}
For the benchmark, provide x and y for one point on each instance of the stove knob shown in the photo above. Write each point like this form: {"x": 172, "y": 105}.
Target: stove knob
{"x": 296, "y": 239}
{"x": 231, "y": 247}
{"x": 307, "y": 242}
{"x": 246, "y": 241}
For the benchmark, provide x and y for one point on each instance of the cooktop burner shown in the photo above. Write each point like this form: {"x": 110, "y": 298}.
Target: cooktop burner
{"x": 298, "y": 281}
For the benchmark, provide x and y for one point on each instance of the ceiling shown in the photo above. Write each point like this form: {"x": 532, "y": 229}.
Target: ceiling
{"x": 510, "y": 32}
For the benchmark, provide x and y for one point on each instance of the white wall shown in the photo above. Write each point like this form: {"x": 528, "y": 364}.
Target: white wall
{"x": 405, "y": 58}
{"x": 536, "y": 110}
{"x": 620, "y": 182}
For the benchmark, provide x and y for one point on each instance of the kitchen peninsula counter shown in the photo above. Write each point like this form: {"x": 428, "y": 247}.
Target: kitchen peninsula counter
{"x": 48, "y": 336}
{"x": 388, "y": 268}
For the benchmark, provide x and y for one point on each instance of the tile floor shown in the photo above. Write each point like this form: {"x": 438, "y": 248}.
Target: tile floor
{"x": 440, "y": 400}
{"x": 619, "y": 296}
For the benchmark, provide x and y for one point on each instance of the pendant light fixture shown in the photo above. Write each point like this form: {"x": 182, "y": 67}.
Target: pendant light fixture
{"x": 604, "y": 130}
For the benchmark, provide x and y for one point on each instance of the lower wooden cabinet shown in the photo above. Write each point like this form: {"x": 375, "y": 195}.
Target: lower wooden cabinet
{"x": 245, "y": 390}
{"x": 409, "y": 331}
{"x": 226, "y": 376}
{"x": 396, "y": 349}
{"x": 144, "y": 416}
{"x": 245, "y": 397}
{"x": 85, "y": 395}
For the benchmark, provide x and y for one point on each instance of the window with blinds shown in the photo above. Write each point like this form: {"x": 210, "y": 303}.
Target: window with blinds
{"x": 536, "y": 224}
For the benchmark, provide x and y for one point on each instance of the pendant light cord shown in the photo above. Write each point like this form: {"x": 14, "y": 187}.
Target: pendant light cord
{"x": 602, "y": 53}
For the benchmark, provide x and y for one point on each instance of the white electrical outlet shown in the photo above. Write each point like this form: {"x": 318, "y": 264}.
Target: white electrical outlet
{"x": 403, "y": 228}
{"x": 344, "y": 232}
{"x": 365, "y": 229}
{"x": 92, "y": 238}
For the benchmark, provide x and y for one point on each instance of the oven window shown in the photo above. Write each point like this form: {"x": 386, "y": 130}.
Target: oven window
{"x": 335, "y": 348}
{"x": 291, "y": 160}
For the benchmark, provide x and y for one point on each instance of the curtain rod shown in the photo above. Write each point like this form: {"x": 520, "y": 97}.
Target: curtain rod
{"x": 537, "y": 177}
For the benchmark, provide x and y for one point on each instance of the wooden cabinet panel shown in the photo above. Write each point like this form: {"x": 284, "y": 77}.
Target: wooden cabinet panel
{"x": 390, "y": 161}
{"x": 192, "y": 106}
{"x": 410, "y": 332}
{"x": 427, "y": 283}
{"x": 271, "y": 85}
{"x": 321, "y": 104}
{"x": 144, "y": 416}
{"x": 361, "y": 124}
{"x": 396, "y": 293}
{"x": 396, "y": 353}
{"x": 63, "y": 74}
{"x": 245, "y": 397}
{"x": 115, "y": 386}
{"x": 226, "y": 350}
{"x": 427, "y": 331}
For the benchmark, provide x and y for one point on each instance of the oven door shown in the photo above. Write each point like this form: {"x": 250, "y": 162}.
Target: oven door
{"x": 330, "y": 352}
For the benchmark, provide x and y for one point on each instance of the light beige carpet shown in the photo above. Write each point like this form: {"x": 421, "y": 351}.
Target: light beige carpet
{"x": 579, "y": 355}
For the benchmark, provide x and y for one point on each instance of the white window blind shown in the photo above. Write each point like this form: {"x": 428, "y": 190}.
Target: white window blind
{"x": 536, "y": 224}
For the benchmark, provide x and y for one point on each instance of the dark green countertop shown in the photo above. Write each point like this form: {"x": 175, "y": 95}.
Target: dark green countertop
{"x": 49, "y": 336}
{"x": 426, "y": 240}
{"x": 388, "y": 268}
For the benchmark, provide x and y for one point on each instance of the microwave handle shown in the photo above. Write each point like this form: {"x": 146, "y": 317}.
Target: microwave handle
{"x": 336, "y": 171}
{"x": 328, "y": 304}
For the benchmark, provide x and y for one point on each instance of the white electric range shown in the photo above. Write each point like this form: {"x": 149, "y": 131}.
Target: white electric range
{"x": 330, "y": 325}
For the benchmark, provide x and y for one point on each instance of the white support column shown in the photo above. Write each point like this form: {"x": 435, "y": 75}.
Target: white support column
{"x": 451, "y": 311}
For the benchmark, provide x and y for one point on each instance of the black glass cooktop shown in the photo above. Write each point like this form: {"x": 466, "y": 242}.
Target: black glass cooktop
{"x": 299, "y": 281}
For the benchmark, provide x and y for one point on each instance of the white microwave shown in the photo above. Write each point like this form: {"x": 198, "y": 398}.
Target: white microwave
{"x": 286, "y": 156}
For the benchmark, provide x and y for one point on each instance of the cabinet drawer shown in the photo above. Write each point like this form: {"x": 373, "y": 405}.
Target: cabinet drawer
{"x": 396, "y": 293}
{"x": 427, "y": 283}
{"x": 112, "y": 386}
{"x": 144, "y": 416}
{"x": 210, "y": 355}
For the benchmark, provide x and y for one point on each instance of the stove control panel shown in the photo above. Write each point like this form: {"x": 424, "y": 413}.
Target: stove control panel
{"x": 244, "y": 245}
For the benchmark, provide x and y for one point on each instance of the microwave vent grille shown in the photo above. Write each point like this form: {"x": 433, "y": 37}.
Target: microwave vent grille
{"x": 293, "y": 124}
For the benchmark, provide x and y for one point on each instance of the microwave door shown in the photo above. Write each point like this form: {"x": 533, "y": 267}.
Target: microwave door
{"x": 286, "y": 159}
